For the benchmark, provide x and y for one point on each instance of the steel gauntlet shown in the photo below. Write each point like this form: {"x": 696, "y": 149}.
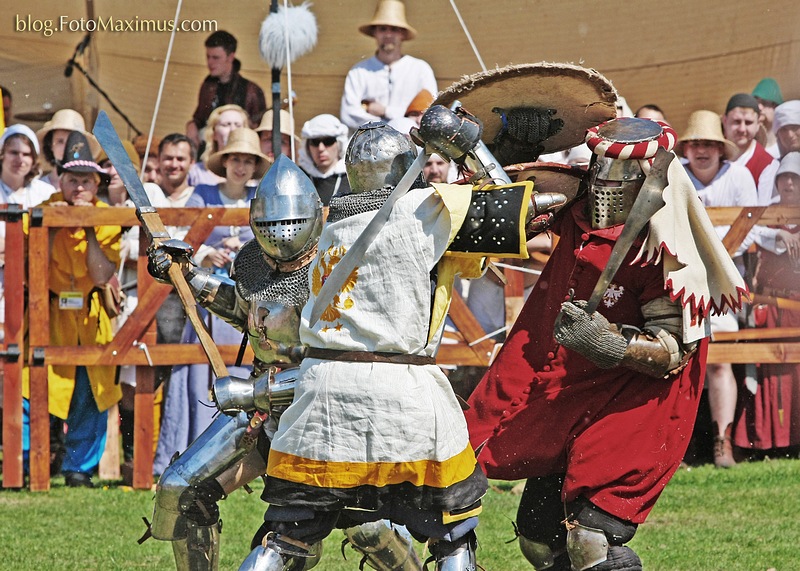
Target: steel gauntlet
{"x": 656, "y": 351}
{"x": 161, "y": 257}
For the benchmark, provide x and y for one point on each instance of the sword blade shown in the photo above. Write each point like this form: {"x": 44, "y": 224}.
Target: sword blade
{"x": 649, "y": 201}
{"x": 109, "y": 139}
{"x": 355, "y": 253}
{"x": 154, "y": 227}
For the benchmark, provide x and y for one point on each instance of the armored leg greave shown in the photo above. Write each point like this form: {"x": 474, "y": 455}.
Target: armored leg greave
{"x": 383, "y": 547}
{"x": 199, "y": 551}
{"x": 456, "y": 555}
{"x": 186, "y": 510}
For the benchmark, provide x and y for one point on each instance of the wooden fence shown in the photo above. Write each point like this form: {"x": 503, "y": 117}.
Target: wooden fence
{"x": 27, "y": 333}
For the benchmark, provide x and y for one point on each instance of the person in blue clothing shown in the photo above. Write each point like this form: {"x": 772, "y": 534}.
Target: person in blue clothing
{"x": 187, "y": 409}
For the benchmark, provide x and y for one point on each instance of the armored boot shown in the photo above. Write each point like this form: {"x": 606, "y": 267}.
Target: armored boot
{"x": 199, "y": 551}
{"x": 723, "y": 448}
{"x": 281, "y": 553}
{"x": 456, "y": 555}
{"x": 383, "y": 547}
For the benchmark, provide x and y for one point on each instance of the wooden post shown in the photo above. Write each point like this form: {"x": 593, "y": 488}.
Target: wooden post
{"x": 143, "y": 452}
{"x": 39, "y": 335}
{"x": 12, "y": 367}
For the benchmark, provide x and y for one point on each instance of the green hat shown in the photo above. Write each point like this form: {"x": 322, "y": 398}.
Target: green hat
{"x": 768, "y": 90}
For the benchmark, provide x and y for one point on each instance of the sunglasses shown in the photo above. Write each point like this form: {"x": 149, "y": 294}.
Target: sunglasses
{"x": 327, "y": 141}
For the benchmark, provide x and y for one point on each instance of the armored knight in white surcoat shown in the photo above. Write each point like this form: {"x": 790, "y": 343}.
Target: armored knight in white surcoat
{"x": 264, "y": 298}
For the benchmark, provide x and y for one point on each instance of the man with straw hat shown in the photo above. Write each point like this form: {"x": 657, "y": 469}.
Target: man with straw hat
{"x": 718, "y": 182}
{"x": 289, "y": 140}
{"x": 53, "y": 137}
{"x": 381, "y": 87}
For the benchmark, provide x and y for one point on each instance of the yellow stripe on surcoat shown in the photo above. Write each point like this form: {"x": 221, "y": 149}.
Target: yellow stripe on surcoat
{"x": 323, "y": 474}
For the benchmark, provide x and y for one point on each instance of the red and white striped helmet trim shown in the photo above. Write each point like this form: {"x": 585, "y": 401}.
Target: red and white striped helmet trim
{"x": 630, "y": 150}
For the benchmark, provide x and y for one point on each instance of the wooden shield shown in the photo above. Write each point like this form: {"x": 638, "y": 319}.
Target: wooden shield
{"x": 581, "y": 97}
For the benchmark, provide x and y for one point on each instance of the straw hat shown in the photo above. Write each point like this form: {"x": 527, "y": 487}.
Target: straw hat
{"x": 244, "y": 141}
{"x": 67, "y": 120}
{"x": 287, "y": 123}
{"x": 389, "y": 13}
{"x": 140, "y": 144}
{"x": 580, "y": 97}
{"x": 129, "y": 148}
{"x": 706, "y": 126}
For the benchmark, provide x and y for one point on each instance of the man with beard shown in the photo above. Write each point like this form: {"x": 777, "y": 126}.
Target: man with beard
{"x": 381, "y": 87}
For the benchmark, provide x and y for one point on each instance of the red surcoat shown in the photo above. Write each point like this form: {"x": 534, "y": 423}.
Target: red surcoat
{"x": 542, "y": 409}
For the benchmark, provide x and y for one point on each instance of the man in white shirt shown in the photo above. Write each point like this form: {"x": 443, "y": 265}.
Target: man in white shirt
{"x": 381, "y": 87}
{"x": 176, "y": 154}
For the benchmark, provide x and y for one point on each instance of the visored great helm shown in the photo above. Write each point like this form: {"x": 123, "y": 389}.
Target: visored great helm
{"x": 286, "y": 213}
{"x": 377, "y": 156}
{"x": 613, "y": 186}
{"x": 620, "y": 146}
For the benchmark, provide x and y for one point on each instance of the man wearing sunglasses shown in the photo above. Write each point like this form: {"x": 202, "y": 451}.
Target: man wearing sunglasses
{"x": 321, "y": 156}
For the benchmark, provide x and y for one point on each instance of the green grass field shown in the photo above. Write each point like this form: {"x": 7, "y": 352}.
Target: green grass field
{"x": 742, "y": 519}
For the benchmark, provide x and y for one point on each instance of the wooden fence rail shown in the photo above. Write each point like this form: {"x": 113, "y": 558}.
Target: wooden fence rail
{"x": 30, "y": 315}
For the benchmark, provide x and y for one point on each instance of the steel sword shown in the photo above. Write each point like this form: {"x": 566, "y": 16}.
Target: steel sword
{"x": 156, "y": 231}
{"x": 649, "y": 201}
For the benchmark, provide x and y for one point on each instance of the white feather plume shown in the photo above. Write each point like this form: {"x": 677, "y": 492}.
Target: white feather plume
{"x": 301, "y": 25}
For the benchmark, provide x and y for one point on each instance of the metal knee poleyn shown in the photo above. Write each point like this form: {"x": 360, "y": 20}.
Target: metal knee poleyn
{"x": 586, "y": 546}
{"x": 538, "y": 554}
{"x": 209, "y": 455}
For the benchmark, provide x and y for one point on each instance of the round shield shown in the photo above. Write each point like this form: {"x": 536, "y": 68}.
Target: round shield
{"x": 580, "y": 98}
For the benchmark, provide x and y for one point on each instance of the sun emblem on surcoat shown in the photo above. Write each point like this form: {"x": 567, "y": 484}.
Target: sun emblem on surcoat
{"x": 322, "y": 269}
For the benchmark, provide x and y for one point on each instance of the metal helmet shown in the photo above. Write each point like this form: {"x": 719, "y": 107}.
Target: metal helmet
{"x": 615, "y": 173}
{"x": 377, "y": 156}
{"x": 613, "y": 186}
{"x": 286, "y": 213}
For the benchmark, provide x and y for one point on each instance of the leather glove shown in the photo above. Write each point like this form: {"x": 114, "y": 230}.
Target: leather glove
{"x": 591, "y": 335}
{"x": 160, "y": 258}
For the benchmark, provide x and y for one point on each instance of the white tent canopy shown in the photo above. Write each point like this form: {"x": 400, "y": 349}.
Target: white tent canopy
{"x": 680, "y": 55}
